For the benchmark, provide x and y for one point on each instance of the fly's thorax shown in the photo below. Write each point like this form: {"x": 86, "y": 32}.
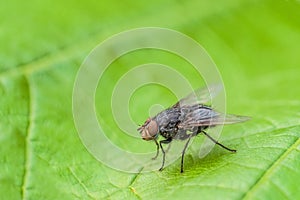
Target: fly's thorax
{"x": 149, "y": 130}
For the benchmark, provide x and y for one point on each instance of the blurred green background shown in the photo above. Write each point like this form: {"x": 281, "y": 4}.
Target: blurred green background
{"x": 255, "y": 45}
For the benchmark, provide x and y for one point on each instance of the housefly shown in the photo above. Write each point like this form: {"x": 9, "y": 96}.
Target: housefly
{"x": 187, "y": 118}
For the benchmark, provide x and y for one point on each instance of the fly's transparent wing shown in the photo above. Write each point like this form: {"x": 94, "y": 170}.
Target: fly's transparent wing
{"x": 200, "y": 96}
{"x": 210, "y": 118}
{"x": 194, "y": 113}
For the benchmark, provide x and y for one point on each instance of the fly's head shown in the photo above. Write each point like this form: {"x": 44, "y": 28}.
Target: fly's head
{"x": 149, "y": 130}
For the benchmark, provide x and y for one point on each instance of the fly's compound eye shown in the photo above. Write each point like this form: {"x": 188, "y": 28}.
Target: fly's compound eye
{"x": 150, "y": 130}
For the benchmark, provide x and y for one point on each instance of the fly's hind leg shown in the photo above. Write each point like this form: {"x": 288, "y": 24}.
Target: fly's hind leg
{"x": 216, "y": 142}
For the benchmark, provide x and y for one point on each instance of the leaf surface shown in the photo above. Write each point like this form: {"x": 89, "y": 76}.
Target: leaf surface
{"x": 255, "y": 45}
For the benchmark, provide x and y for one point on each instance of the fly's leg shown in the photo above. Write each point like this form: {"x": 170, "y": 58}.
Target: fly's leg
{"x": 157, "y": 150}
{"x": 183, "y": 152}
{"x": 167, "y": 141}
{"x": 216, "y": 142}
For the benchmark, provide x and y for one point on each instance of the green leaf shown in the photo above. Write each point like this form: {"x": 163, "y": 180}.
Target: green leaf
{"x": 255, "y": 45}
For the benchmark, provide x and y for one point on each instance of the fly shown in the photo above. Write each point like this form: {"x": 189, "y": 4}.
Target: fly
{"x": 187, "y": 118}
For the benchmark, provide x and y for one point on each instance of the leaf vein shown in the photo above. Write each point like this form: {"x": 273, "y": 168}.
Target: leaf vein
{"x": 27, "y": 154}
{"x": 81, "y": 183}
{"x": 270, "y": 170}
{"x": 279, "y": 189}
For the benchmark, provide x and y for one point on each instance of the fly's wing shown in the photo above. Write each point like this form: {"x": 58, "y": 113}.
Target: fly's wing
{"x": 209, "y": 117}
{"x": 199, "y": 96}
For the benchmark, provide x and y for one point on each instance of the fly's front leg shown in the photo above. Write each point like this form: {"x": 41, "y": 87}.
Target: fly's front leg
{"x": 157, "y": 150}
{"x": 167, "y": 141}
